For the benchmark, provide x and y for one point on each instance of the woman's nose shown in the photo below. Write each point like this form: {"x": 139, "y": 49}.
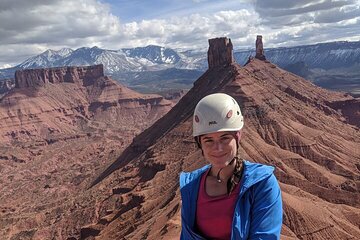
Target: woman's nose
{"x": 218, "y": 146}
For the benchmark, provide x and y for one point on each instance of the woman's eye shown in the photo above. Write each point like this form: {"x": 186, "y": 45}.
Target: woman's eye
{"x": 225, "y": 139}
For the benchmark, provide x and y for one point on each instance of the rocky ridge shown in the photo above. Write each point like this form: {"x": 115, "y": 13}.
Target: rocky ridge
{"x": 289, "y": 123}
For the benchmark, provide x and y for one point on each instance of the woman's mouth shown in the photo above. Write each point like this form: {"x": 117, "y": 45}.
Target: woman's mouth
{"x": 219, "y": 155}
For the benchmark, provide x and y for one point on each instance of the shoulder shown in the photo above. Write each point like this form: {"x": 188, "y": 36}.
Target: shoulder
{"x": 188, "y": 177}
{"x": 266, "y": 202}
{"x": 255, "y": 173}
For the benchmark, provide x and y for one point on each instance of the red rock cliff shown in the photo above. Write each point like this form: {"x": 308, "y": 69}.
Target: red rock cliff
{"x": 39, "y": 77}
{"x": 220, "y": 52}
{"x": 259, "y": 48}
{"x": 6, "y": 85}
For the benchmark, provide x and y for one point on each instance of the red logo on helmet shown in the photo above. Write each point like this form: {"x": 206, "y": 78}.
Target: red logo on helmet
{"x": 229, "y": 114}
{"x": 197, "y": 119}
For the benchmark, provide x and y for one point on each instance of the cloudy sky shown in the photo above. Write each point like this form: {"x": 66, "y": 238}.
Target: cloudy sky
{"x": 29, "y": 27}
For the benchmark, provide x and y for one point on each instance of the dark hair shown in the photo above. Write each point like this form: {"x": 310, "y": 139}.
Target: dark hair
{"x": 197, "y": 140}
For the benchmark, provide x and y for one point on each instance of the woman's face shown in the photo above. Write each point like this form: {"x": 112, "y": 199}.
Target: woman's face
{"x": 219, "y": 148}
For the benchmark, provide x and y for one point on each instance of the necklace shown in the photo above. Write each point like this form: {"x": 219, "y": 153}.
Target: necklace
{"x": 218, "y": 176}
{"x": 236, "y": 176}
{"x": 218, "y": 179}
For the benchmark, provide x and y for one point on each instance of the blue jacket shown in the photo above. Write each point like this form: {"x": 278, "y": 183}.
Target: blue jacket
{"x": 258, "y": 211}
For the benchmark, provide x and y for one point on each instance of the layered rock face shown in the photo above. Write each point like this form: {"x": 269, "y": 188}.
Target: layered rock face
{"x": 40, "y": 77}
{"x": 220, "y": 52}
{"x": 6, "y": 85}
{"x": 59, "y": 128}
{"x": 62, "y": 100}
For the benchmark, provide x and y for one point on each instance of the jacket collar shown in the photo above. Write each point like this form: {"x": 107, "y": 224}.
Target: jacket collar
{"x": 253, "y": 173}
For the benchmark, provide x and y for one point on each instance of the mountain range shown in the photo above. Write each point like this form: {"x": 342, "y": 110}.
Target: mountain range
{"x": 333, "y": 65}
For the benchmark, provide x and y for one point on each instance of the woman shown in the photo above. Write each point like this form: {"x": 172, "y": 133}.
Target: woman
{"x": 230, "y": 198}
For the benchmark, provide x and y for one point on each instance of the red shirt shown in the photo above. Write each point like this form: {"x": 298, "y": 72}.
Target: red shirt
{"x": 214, "y": 215}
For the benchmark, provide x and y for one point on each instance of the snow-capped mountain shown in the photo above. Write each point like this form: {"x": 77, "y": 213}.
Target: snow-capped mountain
{"x": 128, "y": 65}
{"x": 113, "y": 61}
{"x": 154, "y": 58}
{"x": 192, "y": 59}
{"x": 138, "y": 59}
{"x": 46, "y": 58}
{"x": 323, "y": 55}
{"x": 154, "y": 54}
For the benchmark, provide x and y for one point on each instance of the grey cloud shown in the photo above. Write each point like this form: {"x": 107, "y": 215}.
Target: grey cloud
{"x": 287, "y": 21}
{"x": 336, "y": 15}
{"x": 45, "y": 23}
{"x": 20, "y": 20}
{"x": 280, "y": 15}
{"x": 10, "y": 54}
{"x": 189, "y": 39}
{"x": 279, "y": 4}
{"x": 194, "y": 32}
{"x": 54, "y": 36}
{"x": 313, "y": 35}
{"x": 276, "y": 8}
{"x": 6, "y": 5}
{"x": 28, "y": 27}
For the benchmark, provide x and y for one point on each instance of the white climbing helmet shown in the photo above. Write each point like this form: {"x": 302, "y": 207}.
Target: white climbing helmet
{"x": 215, "y": 113}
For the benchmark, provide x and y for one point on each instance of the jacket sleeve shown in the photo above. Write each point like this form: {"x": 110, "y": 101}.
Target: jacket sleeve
{"x": 186, "y": 232}
{"x": 266, "y": 211}
{"x": 188, "y": 203}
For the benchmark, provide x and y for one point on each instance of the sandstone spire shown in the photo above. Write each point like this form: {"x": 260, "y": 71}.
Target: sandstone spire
{"x": 220, "y": 52}
{"x": 259, "y": 48}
